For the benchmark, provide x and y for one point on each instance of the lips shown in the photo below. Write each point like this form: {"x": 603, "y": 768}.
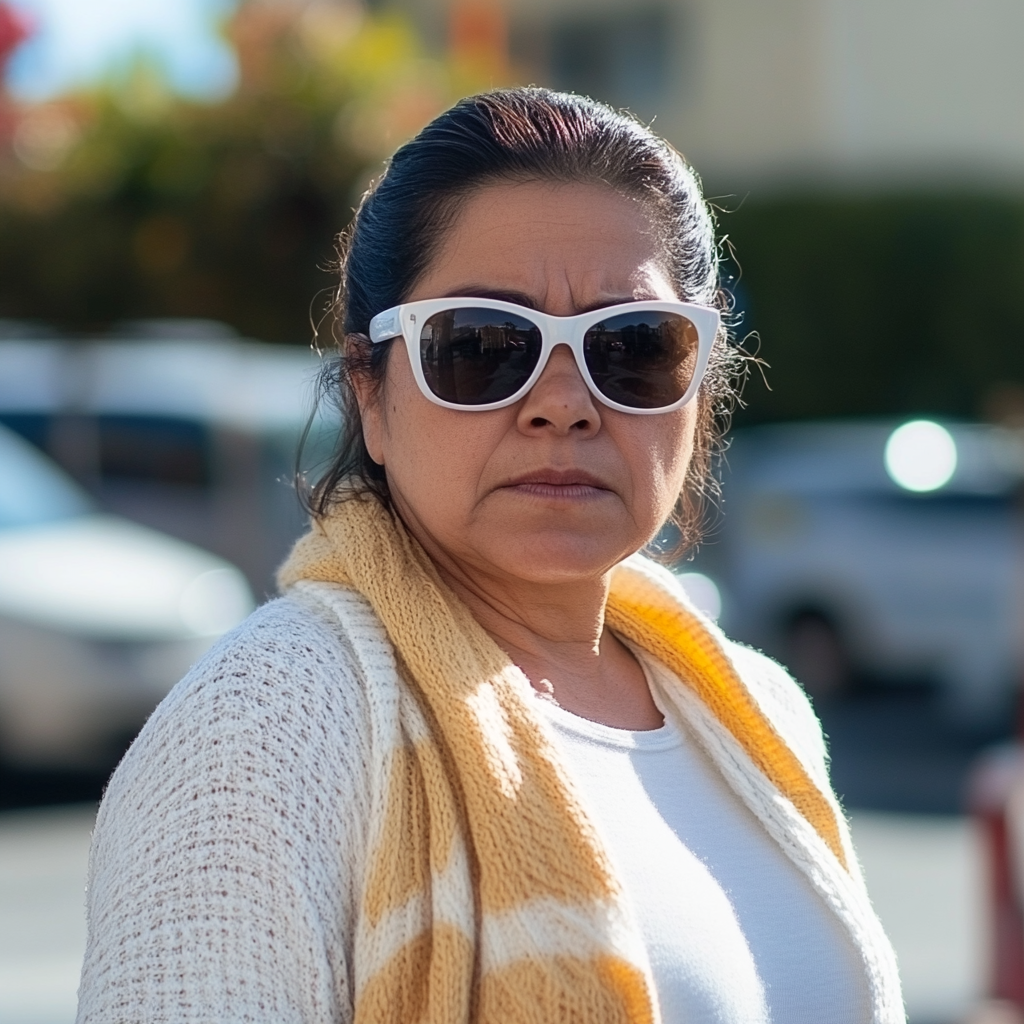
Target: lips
{"x": 558, "y": 483}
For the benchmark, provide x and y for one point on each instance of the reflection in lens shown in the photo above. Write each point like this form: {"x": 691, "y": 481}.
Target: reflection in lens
{"x": 478, "y": 355}
{"x": 642, "y": 359}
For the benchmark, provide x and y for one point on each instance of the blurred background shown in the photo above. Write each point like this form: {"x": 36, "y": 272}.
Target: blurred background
{"x": 172, "y": 177}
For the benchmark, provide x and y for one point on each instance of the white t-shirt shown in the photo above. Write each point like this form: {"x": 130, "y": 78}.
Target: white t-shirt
{"x": 734, "y": 932}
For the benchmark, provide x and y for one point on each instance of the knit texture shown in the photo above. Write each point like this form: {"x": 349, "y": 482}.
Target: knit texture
{"x": 489, "y": 894}
{"x": 234, "y": 842}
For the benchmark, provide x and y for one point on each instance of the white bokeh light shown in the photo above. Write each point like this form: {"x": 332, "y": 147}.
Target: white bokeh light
{"x": 703, "y": 592}
{"x": 920, "y": 456}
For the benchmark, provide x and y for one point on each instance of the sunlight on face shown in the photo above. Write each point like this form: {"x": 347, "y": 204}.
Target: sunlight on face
{"x": 557, "y": 487}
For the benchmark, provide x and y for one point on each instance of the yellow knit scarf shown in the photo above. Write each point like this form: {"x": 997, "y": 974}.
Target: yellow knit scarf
{"x": 488, "y": 896}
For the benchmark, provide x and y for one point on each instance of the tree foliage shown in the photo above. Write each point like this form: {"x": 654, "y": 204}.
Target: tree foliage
{"x": 128, "y": 201}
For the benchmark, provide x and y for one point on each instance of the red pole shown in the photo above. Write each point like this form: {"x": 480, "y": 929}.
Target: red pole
{"x": 992, "y": 782}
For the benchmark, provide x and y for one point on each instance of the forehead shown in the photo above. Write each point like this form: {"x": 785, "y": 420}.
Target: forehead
{"x": 546, "y": 241}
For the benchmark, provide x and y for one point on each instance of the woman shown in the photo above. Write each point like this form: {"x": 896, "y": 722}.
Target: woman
{"x": 482, "y": 762}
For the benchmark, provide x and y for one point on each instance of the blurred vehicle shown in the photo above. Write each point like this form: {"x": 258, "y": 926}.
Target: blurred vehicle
{"x": 99, "y": 616}
{"x": 854, "y": 550}
{"x": 180, "y": 425}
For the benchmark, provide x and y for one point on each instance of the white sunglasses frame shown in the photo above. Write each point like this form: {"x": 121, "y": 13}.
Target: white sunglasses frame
{"x": 403, "y": 322}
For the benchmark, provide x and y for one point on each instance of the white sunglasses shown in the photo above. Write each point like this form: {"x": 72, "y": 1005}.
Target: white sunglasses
{"x": 482, "y": 354}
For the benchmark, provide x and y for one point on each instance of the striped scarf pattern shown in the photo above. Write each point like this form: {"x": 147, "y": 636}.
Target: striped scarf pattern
{"x": 489, "y": 896}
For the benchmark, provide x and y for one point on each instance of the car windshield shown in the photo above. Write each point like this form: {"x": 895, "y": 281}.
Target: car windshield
{"x": 32, "y": 489}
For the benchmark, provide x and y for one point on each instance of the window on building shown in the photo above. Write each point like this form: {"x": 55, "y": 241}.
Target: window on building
{"x": 622, "y": 58}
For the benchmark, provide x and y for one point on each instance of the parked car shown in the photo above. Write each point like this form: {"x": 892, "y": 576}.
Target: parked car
{"x": 99, "y": 616}
{"x": 879, "y": 550}
{"x": 180, "y": 425}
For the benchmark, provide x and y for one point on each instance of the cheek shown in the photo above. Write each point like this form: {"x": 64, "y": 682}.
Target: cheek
{"x": 423, "y": 456}
{"x": 434, "y": 457}
{"x": 662, "y": 448}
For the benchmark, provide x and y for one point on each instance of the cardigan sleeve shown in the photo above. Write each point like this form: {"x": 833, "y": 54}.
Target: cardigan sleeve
{"x": 229, "y": 845}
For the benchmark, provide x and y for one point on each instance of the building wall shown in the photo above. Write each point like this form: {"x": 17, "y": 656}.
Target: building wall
{"x": 786, "y": 92}
{"x": 933, "y": 87}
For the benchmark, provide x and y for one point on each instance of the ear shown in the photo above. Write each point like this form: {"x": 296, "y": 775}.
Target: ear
{"x": 368, "y": 394}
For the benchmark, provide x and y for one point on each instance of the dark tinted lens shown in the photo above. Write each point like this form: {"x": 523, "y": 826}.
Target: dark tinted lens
{"x": 479, "y": 355}
{"x": 645, "y": 360}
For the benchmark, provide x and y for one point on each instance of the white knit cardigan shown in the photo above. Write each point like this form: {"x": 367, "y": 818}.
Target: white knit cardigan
{"x": 231, "y": 843}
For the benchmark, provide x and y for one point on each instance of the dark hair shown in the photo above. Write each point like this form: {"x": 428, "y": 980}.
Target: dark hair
{"x": 525, "y": 134}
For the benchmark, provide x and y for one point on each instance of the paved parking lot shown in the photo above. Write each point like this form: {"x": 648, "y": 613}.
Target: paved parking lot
{"x": 925, "y": 878}
{"x": 923, "y": 872}
{"x": 43, "y": 857}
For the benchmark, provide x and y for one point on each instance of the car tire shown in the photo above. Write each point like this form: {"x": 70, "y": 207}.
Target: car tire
{"x": 817, "y": 657}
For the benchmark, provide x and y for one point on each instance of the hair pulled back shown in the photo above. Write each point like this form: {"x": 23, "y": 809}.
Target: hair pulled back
{"x": 513, "y": 135}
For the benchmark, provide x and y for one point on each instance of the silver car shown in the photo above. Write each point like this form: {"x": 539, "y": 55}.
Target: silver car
{"x": 880, "y": 550}
{"x": 177, "y": 425}
{"x": 99, "y": 617}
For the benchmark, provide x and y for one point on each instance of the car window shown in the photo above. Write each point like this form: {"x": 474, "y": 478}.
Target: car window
{"x": 32, "y": 489}
{"x": 155, "y": 449}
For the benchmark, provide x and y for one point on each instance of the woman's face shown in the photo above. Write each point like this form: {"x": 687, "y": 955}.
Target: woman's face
{"x": 558, "y": 487}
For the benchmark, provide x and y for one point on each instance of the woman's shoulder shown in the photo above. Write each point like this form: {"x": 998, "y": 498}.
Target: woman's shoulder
{"x": 783, "y": 702}
{"x": 312, "y": 624}
{"x": 287, "y": 687}
{"x": 781, "y": 699}
{"x": 232, "y": 834}
{"x": 305, "y": 650}
{"x": 272, "y": 725}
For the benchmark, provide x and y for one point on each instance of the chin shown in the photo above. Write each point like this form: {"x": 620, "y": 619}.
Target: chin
{"x": 564, "y": 558}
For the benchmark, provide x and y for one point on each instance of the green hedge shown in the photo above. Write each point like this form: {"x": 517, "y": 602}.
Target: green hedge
{"x": 881, "y": 305}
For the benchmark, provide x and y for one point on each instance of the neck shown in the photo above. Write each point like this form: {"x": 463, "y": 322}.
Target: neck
{"x": 557, "y": 623}
{"x": 555, "y": 633}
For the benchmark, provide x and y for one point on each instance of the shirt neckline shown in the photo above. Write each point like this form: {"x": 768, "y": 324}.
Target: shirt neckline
{"x": 665, "y": 737}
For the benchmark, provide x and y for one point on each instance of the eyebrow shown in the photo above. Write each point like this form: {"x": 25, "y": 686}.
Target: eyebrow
{"x": 522, "y": 299}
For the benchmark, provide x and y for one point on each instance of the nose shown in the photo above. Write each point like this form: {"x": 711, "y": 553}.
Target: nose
{"x": 560, "y": 401}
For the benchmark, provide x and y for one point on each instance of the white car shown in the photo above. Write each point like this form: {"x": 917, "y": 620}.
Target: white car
{"x": 879, "y": 550}
{"x": 178, "y": 425}
{"x": 99, "y": 617}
